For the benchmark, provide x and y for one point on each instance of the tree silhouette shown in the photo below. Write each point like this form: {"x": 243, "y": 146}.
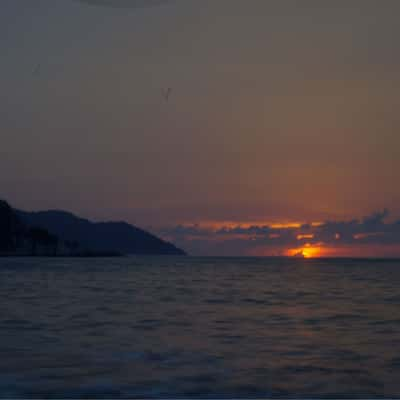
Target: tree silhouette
{"x": 39, "y": 236}
{"x": 11, "y": 229}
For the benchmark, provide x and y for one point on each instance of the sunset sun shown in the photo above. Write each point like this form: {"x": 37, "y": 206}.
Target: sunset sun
{"x": 311, "y": 252}
{"x": 308, "y": 251}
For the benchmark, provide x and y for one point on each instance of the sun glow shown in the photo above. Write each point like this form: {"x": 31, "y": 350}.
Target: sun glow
{"x": 311, "y": 252}
{"x": 308, "y": 251}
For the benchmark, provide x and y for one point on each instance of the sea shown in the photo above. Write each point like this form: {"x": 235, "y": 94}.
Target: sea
{"x": 185, "y": 327}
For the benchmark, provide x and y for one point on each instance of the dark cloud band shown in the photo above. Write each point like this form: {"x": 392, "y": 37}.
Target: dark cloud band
{"x": 370, "y": 230}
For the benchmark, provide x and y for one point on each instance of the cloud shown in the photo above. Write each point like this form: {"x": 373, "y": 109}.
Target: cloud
{"x": 371, "y": 230}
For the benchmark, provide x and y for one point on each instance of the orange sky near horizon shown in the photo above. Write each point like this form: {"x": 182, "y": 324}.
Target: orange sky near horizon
{"x": 375, "y": 235}
{"x": 326, "y": 251}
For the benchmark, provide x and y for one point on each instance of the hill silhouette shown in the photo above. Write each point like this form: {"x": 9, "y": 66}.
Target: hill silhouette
{"x": 63, "y": 233}
{"x": 100, "y": 236}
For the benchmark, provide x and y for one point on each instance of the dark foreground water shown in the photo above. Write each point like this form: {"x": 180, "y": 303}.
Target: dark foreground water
{"x": 186, "y": 327}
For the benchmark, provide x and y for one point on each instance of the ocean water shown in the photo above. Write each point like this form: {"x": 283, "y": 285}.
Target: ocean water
{"x": 199, "y": 328}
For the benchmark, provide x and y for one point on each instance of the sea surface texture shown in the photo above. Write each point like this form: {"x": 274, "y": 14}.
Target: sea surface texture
{"x": 199, "y": 328}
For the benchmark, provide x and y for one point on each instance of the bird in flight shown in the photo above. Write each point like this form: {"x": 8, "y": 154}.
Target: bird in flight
{"x": 36, "y": 70}
{"x": 166, "y": 94}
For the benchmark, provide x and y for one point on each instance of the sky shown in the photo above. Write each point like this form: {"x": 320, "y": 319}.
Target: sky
{"x": 281, "y": 113}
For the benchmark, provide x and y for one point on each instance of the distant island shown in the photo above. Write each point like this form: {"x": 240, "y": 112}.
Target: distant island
{"x": 60, "y": 233}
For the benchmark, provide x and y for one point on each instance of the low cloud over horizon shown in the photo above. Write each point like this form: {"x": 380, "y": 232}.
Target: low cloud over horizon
{"x": 368, "y": 236}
